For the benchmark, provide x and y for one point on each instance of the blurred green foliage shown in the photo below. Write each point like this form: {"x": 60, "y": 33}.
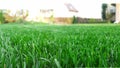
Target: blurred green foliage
{"x": 75, "y": 20}
{"x": 52, "y": 18}
{"x": 2, "y": 20}
{"x": 104, "y": 7}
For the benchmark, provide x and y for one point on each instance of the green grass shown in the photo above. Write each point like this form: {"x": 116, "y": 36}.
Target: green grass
{"x": 62, "y": 46}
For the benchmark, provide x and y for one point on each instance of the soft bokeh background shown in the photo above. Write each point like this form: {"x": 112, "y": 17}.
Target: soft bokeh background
{"x": 86, "y": 8}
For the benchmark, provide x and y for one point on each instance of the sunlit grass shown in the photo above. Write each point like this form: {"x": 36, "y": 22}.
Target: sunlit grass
{"x": 66, "y": 46}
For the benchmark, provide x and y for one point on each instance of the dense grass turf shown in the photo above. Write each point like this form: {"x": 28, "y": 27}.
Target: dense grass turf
{"x": 66, "y": 46}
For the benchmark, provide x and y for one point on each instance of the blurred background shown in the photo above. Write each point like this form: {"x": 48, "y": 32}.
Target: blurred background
{"x": 59, "y": 11}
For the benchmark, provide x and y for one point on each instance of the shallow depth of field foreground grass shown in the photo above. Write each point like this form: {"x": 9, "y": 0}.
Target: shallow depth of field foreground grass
{"x": 66, "y": 46}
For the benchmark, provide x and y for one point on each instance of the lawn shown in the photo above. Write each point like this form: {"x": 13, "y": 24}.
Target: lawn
{"x": 59, "y": 46}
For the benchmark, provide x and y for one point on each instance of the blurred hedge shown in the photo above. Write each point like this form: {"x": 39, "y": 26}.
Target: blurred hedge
{"x": 76, "y": 20}
{"x": 90, "y": 20}
{"x": 60, "y": 20}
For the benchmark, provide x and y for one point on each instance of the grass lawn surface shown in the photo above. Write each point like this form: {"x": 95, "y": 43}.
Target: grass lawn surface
{"x": 59, "y": 46}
